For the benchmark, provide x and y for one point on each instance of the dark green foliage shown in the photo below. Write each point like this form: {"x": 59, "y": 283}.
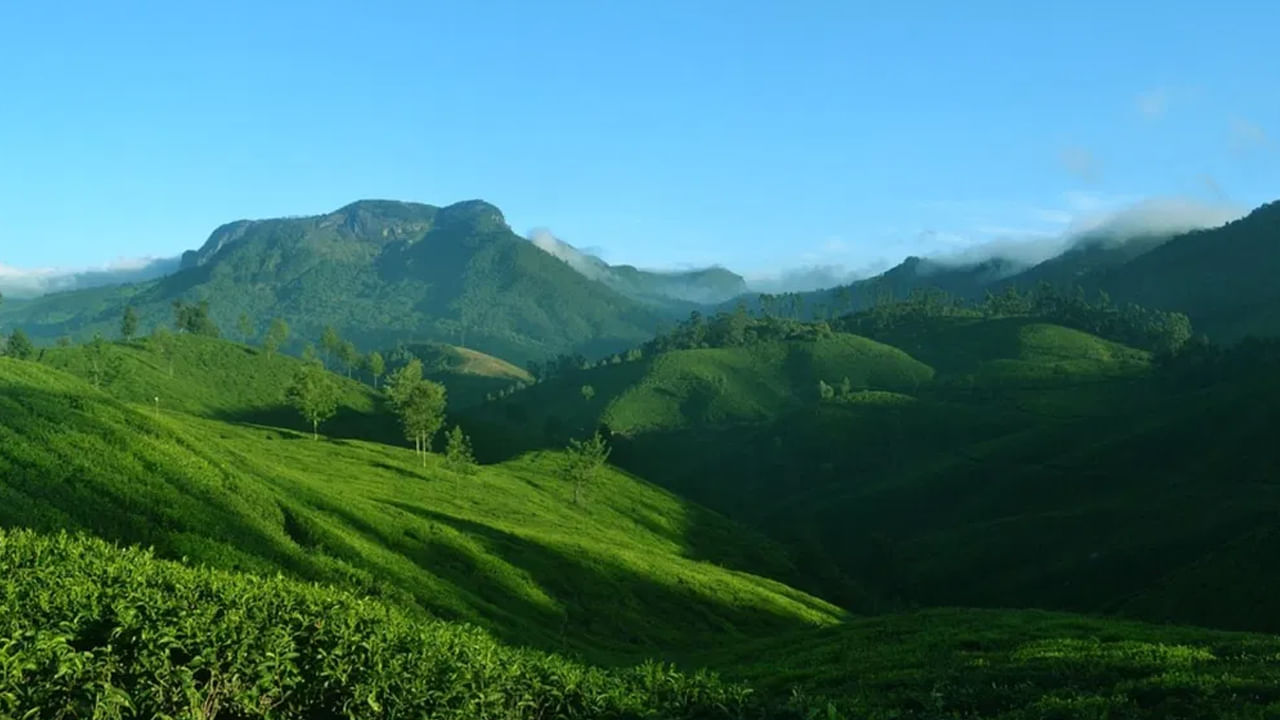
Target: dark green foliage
{"x": 245, "y": 325}
{"x": 194, "y": 318}
{"x": 19, "y": 346}
{"x": 314, "y": 395}
{"x": 1013, "y": 665}
{"x": 87, "y": 630}
{"x": 277, "y": 335}
{"x": 129, "y": 324}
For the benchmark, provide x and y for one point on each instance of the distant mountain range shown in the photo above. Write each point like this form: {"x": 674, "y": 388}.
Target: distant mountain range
{"x": 383, "y": 272}
{"x": 1224, "y": 278}
{"x": 386, "y": 272}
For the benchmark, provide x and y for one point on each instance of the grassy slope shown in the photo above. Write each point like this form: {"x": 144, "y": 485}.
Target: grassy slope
{"x": 469, "y": 375}
{"x": 1024, "y": 665}
{"x": 634, "y": 571}
{"x": 1042, "y": 467}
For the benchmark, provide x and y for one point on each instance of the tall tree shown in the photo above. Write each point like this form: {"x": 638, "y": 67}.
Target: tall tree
{"x": 422, "y": 414}
{"x": 277, "y": 335}
{"x": 348, "y": 356}
{"x": 457, "y": 451}
{"x": 584, "y": 460}
{"x": 164, "y": 345}
{"x": 330, "y": 343}
{"x": 314, "y": 395}
{"x": 402, "y": 381}
{"x": 19, "y": 345}
{"x": 245, "y": 325}
{"x": 376, "y": 366}
{"x": 129, "y": 323}
{"x": 105, "y": 366}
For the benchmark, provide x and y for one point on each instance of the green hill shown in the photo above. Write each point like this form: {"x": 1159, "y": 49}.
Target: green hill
{"x": 696, "y": 388}
{"x": 469, "y": 375}
{"x": 380, "y": 272}
{"x": 633, "y": 572}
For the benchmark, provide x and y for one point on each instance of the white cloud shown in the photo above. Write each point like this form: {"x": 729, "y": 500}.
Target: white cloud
{"x": 32, "y": 282}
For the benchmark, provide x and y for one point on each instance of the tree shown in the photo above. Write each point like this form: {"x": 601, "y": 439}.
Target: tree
{"x": 330, "y": 343}
{"x": 277, "y": 335}
{"x": 105, "y": 367}
{"x": 588, "y": 392}
{"x": 163, "y": 344}
{"x": 129, "y": 323}
{"x": 348, "y": 356}
{"x": 313, "y": 394}
{"x": 19, "y": 346}
{"x": 376, "y": 366}
{"x": 309, "y": 354}
{"x": 422, "y": 414}
{"x": 245, "y": 326}
{"x": 584, "y": 459}
{"x": 194, "y": 319}
{"x": 457, "y": 451}
{"x": 402, "y": 381}
{"x": 825, "y": 391}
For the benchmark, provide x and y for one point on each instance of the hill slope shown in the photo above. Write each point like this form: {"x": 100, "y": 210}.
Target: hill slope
{"x": 633, "y": 572}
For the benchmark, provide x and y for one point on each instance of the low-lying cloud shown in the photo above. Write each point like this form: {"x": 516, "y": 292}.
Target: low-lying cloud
{"x": 589, "y": 265}
{"x": 23, "y": 282}
{"x": 1154, "y": 217}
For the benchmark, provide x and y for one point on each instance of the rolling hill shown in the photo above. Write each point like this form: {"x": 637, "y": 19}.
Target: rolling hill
{"x": 631, "y": 572}
{"x": 1001, "y": 461}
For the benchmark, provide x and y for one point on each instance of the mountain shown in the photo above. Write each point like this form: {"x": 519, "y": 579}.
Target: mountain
{"x": 381, "y": 272}
{"x": 1224, "y": 279}
{"x": 678, "y": 288}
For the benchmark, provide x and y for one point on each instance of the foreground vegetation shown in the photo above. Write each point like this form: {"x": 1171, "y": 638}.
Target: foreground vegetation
{"x": 87, "y": 630}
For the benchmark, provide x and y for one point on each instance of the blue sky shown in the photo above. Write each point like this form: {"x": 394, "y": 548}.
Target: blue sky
{"x": 759, "y": 135}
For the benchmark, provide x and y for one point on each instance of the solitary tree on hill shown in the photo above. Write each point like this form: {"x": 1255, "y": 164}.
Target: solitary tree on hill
{"x": 277, "y": 335}
{"x": 309, "y": 355}
{"x": 588, "y": 392}
{"x": 313, "y": 394}
{"x": 348, "y": 356}
{"x": 330, "y": 343}
{"x": 19, "y": 346}
{"x": 585, "y": 459}
{"x": 129, "y": 324}
{"x": 376, "y": 366}
{"x": 457, "y": 451}
{"x": 163, "y": 344}
{"x": 105, "y": 367}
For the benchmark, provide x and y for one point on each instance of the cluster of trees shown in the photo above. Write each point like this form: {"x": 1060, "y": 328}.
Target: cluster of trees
{"x": 419, "y": 403}
{"x": 835, "y": 393}
{"x": 1156, "y": 330}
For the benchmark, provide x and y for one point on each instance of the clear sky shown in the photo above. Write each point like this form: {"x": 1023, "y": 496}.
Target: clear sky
{"x": 758, "y": 135}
